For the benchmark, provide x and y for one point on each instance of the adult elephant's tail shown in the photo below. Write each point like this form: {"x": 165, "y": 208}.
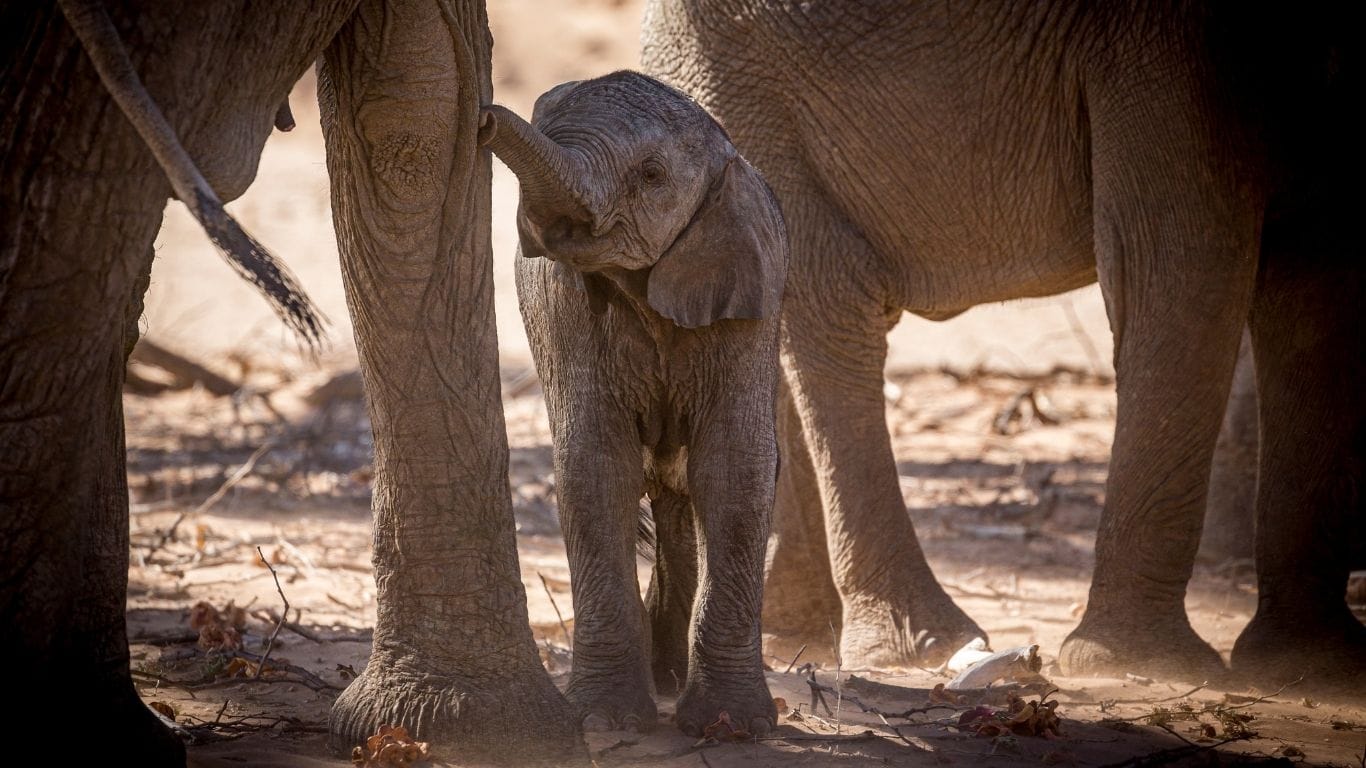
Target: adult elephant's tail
{"x": 106, "y": 50}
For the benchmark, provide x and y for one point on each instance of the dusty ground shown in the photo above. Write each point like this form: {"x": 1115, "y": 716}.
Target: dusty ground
{"x": 1007, "y": 520}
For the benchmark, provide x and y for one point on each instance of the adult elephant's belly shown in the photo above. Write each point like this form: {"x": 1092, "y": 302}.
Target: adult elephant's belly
{"x": 957, "y": 221}
{"x": 969, "y": 190}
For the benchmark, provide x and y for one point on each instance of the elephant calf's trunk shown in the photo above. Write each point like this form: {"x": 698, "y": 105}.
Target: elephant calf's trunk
{"x": 551, "y": 177}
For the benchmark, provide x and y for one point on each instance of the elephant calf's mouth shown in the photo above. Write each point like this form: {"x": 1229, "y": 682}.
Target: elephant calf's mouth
{"x": 573, "y": 242}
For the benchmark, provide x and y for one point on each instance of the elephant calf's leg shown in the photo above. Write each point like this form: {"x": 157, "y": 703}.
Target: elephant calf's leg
{"x": 600, "y": 481}
{"x": 1311, "y": 508}
{"x": 730, "y": 476}
{"x": 673, "y": 587}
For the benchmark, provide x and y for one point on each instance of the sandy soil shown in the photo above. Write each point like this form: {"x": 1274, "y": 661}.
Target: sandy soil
{"x": 1007, "y": 516}
{"x": 1007, "y": 520}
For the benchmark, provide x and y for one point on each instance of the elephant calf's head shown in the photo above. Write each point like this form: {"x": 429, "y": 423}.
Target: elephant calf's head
{"x": 623, "y": 173}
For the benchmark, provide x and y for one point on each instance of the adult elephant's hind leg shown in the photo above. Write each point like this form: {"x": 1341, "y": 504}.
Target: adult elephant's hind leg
{"x": 802, "y": 608}
{"x": 1176, "y": 245}
{"x": 834, "y": 348}
{"x": 1231, "y": 508}
{"x": 1308, "y": 327}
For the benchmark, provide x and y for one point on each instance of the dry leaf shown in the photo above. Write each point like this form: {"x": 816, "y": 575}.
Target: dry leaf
{"x": 203, "y": 613}
{"x": 234, "y": 616}
{"x": 390, "y": 747}
{"x": 942, "y": 695}
{"x": 1020, "y": 717}
{"x": 724, "y": 730}
{"x": 219, "y": 637}
{"x": 218, "y": 630}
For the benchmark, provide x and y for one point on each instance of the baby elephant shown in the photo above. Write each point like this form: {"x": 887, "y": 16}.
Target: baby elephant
{"x": 652, "y": 266}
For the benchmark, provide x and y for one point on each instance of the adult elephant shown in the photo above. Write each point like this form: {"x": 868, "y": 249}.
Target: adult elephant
{"x": 81, "y": 198}
{"x": 934, "y": 156}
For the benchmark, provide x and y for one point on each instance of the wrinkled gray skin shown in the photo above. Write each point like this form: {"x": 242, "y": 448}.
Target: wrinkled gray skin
{"x": 81, "y": 198}
{"x": 934, "y": 156}
{"x": 1230, "y": 512}
{"x": 651, "y": 271}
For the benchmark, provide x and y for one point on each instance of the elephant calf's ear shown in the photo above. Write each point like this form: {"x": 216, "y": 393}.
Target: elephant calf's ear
{"x": 730, "y": 262}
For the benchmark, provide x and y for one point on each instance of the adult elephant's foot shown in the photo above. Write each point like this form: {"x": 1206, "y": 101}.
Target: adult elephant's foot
{"x": 129, "y": 723}
{"x": 1323, "y": 652}
{"x": 1166, "y": 648}
{"x": 744, "y": 698}
{"x": 801, "y": 615}
{"x": 620, "y": 703}
{"x": 507, "y": 721}
{"x": 924, "y": 629}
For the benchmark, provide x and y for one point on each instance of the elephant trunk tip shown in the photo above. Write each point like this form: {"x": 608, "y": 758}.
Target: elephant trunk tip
{"x": 488, "y": 126}
{"x": 551, "y": 177}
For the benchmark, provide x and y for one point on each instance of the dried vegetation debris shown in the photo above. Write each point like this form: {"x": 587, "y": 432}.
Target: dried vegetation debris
{"x": 218, "y": 630}
{"x": 390, "y": 747}
{"x": 1022, "y": 718}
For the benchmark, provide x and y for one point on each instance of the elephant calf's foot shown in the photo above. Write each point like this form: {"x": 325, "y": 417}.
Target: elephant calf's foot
{"x": 626, "y": 706}
{"x": 1166, "y": 649}
{"x": 517, "y": 721}
{"x": 924, "y": 630}
{"x": 1324, "y": 654}
{"x": 744, "y": 699}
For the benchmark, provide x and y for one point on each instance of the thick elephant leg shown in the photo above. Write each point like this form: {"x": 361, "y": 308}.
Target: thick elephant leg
{"x": 1177, "y": 239}
{"x": 1308, "y": 328}
{"x": 64, "y": 496}
{"x": 731, "y": 468}
{"x": 673, "y": 588}
{"x": 453, "y": 659}
{"x": 834, "y": 349}
{"x": 80, "y": 205}
{"x": 801, "y": 605}
{"x": 1230, "y": 510}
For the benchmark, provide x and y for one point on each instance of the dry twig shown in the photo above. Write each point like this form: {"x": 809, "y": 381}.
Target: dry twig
{"x": 270, "y": 644}
{"x": 214, "y": 498}
{"x": 568, "y": 638}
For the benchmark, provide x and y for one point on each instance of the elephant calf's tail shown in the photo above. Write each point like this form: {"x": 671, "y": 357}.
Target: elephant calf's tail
{"x": 106, "y": 50}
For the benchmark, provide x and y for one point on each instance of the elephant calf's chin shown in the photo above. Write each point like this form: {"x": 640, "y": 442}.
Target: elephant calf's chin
{"x": 660, "y": 369}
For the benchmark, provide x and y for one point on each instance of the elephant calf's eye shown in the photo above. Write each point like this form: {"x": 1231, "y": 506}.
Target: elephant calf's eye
{"x": 652, "y": 173}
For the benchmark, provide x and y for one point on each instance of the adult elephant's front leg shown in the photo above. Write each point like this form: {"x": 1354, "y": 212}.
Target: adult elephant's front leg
{"x": 731, "y": 470}
{"x": 453, "y": 660}
{"x": 1177, "y": 242}
{"x": 834, "y": 349}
